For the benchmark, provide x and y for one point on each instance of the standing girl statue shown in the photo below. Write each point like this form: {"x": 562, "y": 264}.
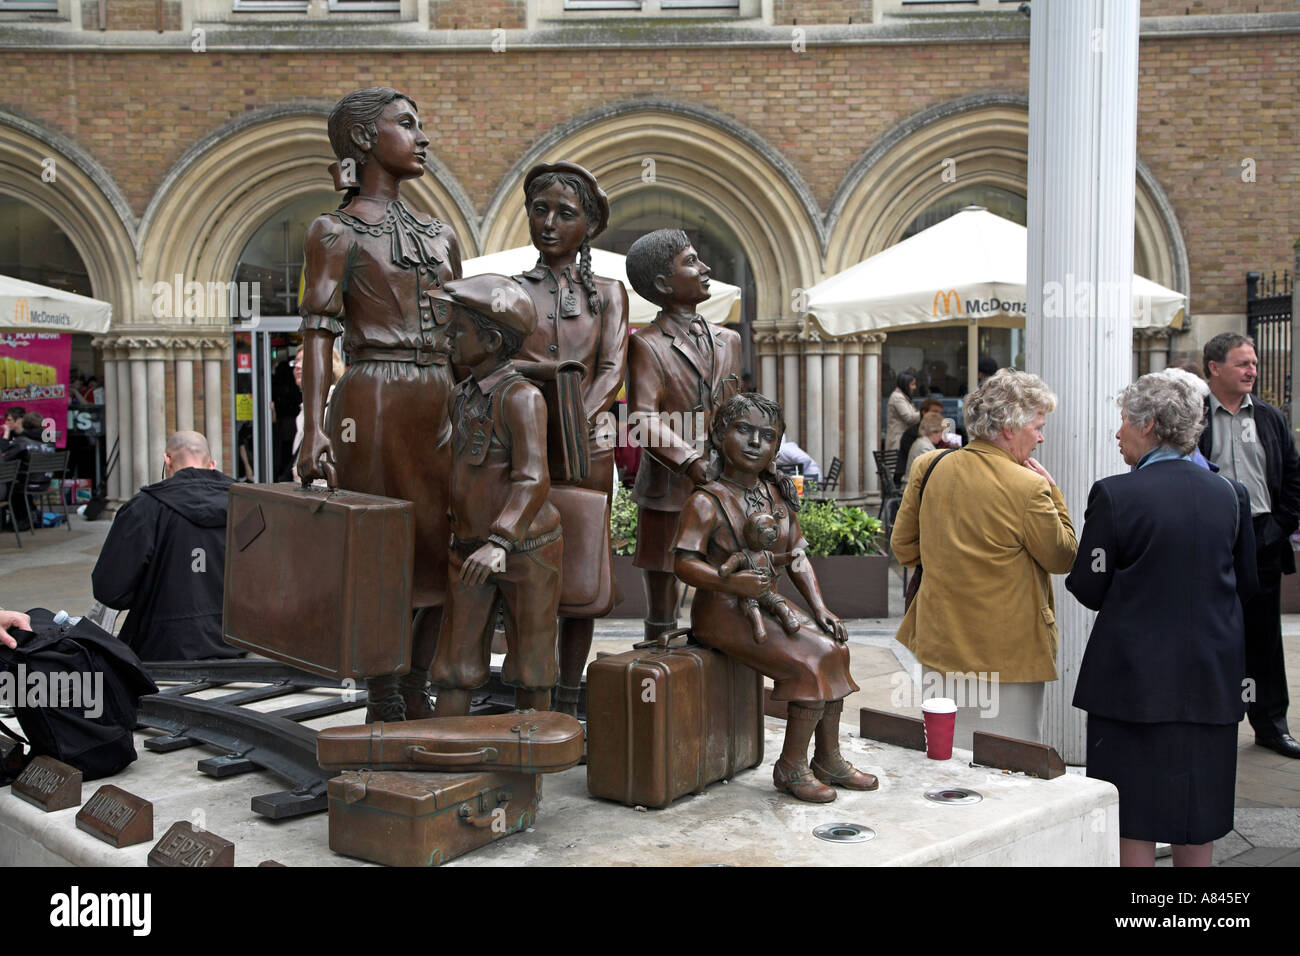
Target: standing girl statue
{"x": 580, "y": 317}
{"x": 370, "y": 265}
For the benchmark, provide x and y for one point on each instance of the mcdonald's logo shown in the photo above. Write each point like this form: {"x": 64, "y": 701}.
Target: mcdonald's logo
{"x": 951, "y": 302}
{"x": 22, "y": 313}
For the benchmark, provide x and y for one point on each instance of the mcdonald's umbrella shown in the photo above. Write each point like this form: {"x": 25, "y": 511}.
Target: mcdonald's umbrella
{"x": 722, "y": 306}
{"x": 28, "y": 307}
{"x": 970, "y": 266}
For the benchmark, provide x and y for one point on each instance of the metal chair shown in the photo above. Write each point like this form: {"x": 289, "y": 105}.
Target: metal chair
{"x": 45, "y": 473}
{"x": 9, "y": 483}
{"x": 886, "y": 462}
{"x": 831, "y": 480}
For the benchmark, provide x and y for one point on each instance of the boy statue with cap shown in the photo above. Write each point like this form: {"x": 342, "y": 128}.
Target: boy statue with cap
{"x": 505, "y": 544}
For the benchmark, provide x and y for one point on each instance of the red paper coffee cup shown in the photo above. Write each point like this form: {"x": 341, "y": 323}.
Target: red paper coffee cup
{"x": 940, "y": 715}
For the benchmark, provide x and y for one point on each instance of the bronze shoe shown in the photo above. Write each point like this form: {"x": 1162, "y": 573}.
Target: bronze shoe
{"x": 414, "y": 688}
{"x": 799, "y": 782}
{"x": 845, "y": 775}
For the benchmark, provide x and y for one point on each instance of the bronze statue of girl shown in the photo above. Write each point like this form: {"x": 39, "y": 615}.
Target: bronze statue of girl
{"x": 370, "y": 265}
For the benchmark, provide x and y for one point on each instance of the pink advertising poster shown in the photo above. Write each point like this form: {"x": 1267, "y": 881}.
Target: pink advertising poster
{"x": 34, "y": 374}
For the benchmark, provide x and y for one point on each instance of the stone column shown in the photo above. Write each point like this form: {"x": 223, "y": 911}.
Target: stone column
{"x": 789, "y": 342}
{"x": 812, "y": 443}
{"x": 1083, "y": 59}
{"x": 765, "y": 343}
{"x": 872, "y": 344}
{"x": 832, "y": 435}
{"x": 140, "y": 467}
{"x": 184, "y": 391}
{"x": 156, "y": 373}
{"x": 1157, "y": 350}
{"x": 125, "y": 473}
{"x": 104, "y": 344}
{"x": 851, "y": 477}
{"x": 213, "y": 403}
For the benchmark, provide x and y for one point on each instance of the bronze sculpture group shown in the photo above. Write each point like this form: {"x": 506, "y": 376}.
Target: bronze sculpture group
{"x": 434, "y": 409}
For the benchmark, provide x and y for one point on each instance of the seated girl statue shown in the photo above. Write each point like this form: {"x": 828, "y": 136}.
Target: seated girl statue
{"x": 810, "y": 667}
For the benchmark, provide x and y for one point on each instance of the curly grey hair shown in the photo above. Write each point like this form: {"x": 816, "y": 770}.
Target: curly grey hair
{"x": 1009, "y": 399}
{"x": 1173, "y": 404}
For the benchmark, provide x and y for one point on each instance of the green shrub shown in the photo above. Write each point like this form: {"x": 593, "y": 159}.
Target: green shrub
{"x": 622, "y": 522}
{"x": 832, "y": 529}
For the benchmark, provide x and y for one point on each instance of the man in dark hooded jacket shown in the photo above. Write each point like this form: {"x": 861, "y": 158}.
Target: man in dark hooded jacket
{"x": 165, "y": 555}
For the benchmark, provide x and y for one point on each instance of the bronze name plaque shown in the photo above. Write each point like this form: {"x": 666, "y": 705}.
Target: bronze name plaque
{"x": 182, "y": 845}
{"x": 117, "y": 817}
{"x": 49, "y": 784}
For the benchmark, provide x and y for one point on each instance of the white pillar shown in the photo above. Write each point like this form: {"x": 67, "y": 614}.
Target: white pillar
{"x": 851, "y": 477}
{"x": 812, "y": 371}
{"x": 110, "y": 410}
{"x": 832, "y": 436}
{"x": 872, "y": 343}
{"x": 140, "y": 467}
{"x": 767, "y": 364}
{"x": 212, "y": 417}
{"x": 157, "y": 377}
{"x": 124, "y": 480}
{"x": 790, "y": 385}
{"x": 184, "y": 393}
{"x": 1083, "y": 58}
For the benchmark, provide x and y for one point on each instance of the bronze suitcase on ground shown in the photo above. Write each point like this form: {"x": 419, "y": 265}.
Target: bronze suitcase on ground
{"x": 320, "y": 579}
{"x": 426, "y": 819}
{"x": 541, "y": 742}
{"x": 666, "y": 720}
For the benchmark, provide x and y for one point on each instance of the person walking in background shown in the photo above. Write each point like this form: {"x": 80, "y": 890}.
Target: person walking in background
{"x": 990, "y": 530}
{"x": 1251, "y": 443}
{"x": 1167, "y": 558}
{"x": 900, "y": 412}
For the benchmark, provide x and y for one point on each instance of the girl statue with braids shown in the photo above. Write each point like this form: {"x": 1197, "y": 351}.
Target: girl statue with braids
{"x": 580, "y": 317}
{"x": 370, "y": 266}
{"x": 809, "y": 665}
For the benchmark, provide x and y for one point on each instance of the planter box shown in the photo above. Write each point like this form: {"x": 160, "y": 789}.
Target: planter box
{"x": 852, "y": 586}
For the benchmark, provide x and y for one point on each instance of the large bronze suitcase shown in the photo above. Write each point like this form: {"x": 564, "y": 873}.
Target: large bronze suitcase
{"x": 540, "y": 742}
{"x": 320, "y": 579}
{"x": 665, "y": 720}
{"x": 426, "y": 819}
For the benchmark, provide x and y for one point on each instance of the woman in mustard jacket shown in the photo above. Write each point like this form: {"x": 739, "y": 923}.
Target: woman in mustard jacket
{"x": 989, "y": 530}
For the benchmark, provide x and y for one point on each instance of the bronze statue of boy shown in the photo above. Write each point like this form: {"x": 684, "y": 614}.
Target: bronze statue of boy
{"x": 506, "y": 545}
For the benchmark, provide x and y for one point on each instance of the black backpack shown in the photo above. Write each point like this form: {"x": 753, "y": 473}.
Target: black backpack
{"x": 66, "y": 672}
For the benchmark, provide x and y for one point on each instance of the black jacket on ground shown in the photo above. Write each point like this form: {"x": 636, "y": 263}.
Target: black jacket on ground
{"x": 1281, "y": 474}
{"x": 1167, "y": 556}
{"x": 164, "y": 558}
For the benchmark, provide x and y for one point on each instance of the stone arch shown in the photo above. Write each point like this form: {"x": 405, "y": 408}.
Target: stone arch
{"x": 201, "y": 216}
{"x": 715, "y": 161}
{"x": 83, "y": 200}
{"x": 987, "y": 135}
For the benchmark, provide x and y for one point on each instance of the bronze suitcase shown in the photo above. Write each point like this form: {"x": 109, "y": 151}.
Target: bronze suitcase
{"x": 666, "y": 720}
{"x": 541, "y": 742}
{"x": 426, "y": 819}
{"x": 320, "y": 579}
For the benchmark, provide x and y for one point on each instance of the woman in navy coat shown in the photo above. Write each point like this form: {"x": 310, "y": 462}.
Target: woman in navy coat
{"x": 1167, "y": 557}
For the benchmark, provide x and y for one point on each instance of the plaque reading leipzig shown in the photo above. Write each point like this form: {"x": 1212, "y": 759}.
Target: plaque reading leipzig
{"x": 182, "y": 845}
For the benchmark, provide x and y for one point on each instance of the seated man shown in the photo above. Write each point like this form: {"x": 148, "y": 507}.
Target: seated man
{"x": 165, "y": 558}
{"x": 791, "y": 454}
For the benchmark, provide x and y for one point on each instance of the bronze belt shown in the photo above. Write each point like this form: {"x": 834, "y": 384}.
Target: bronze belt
{"x": 419, "y": 356}
{"x": 469, "y": 545}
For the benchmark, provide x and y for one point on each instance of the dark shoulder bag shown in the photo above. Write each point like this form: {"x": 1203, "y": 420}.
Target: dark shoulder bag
{"x": 914, "y": 585}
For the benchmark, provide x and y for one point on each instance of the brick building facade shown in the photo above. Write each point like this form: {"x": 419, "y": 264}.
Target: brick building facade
{"x": 810, "y": 133}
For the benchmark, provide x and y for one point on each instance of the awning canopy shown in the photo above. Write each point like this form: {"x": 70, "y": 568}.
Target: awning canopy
{"x": 28, "y": 307}
{"x": 722, "y": 306}
{"x": 969, "y": 268}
